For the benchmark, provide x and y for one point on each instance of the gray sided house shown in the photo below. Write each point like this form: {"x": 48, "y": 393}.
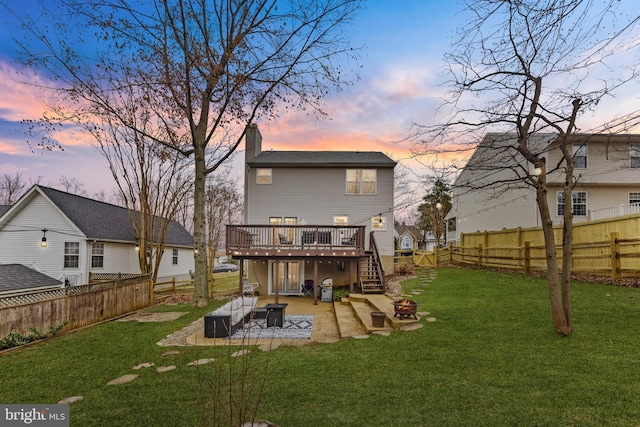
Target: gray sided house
{"x": 313, "y": 215}
{"x": 607, "y": 168}
{"x": 410, "y": 238}
{"x": 67, "y": 237}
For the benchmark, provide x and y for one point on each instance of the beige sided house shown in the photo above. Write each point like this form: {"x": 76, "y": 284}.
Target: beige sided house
{"x": 314, "y": 215}
{"x": 607, "y": 169}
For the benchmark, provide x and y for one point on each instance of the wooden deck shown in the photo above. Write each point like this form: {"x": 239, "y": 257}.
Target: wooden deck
{"x": 259, "y": 241}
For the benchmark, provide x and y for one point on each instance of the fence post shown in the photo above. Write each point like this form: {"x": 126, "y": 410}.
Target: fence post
{"x": 615, "y": 257}
{"x": 527, "y": 258}
{"x": 480, "y": 255}
{"x": 173, "y": 284}
{"x": 435, "y": 255}
{"x": 115, "y": 288}
{"x": 450, "y": 252}
{"x": 67, "y": 303}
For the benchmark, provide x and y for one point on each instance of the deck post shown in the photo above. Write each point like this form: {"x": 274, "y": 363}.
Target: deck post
{"x": 315, "y": 282}
{"x": 276, "y": 273}
{"x": 351, "y": 262}
{"x": 240, "y": 277}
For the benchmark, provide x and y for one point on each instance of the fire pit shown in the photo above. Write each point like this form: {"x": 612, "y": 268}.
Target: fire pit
{"x": 405, "y": 308}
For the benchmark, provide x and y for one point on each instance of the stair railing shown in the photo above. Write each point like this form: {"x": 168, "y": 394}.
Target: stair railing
{"x": 376, "y": 255}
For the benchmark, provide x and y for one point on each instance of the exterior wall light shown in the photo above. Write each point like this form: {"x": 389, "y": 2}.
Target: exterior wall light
{"x": 43, "y": 241}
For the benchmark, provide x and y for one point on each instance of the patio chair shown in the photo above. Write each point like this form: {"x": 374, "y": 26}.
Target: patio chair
{"x": 284, "y": 240}
{"x": 307, "y": 288}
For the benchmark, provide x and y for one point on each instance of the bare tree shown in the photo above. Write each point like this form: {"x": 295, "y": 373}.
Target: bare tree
{"x": 72, "y": 185}
{"x": 436, "y": 204}
{"x": 223, "y": 206}
{"x": 152, "y": 180}
{"x": 11, "y": 187}
{"x": 403, "y": 195}
{"x": 536, "y": 66}
{"x": 202, "y": 71}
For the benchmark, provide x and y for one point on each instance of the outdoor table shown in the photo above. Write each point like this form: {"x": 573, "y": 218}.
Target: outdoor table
{"x": 275, "y": 314}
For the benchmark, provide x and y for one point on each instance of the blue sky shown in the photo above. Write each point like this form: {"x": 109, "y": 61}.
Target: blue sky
{"x": 404, "y": 43}
{"x": 401, "y": 83}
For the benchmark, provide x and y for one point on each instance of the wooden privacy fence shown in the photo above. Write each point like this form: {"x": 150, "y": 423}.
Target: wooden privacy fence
{"x": 609, "y": 247}
{"x": 78, "y": 306}
{"x": 617, "y": 258}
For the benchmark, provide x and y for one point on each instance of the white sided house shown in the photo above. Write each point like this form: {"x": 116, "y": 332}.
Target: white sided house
{"x": 66, "y": 236}
{"x": 489, "y": 193}
{"x": 313, "y": 215}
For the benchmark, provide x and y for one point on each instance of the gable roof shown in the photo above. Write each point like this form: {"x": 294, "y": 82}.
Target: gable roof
{"x": 102, "y": 221}
{"x": 411, "y": 229}
{"x": 4, "y": 208}
{"x": 497, "y": 153}
{"x": 17, "y": 277}
{"x": 304, "y": 159}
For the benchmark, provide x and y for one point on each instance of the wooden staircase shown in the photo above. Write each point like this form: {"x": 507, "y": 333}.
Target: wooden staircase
{"x": 371, "y": 270}
{"x": 371, "y": 281}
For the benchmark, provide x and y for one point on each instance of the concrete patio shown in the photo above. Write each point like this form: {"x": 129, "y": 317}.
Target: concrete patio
{"x": 332, "y": 320}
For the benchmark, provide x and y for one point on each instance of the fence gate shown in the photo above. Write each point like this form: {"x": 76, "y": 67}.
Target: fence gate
{"x": 425, "y": 259}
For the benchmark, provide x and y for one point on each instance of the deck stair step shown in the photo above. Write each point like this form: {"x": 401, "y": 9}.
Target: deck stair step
{"x": 348, "y": 324}
{"x": 363, "y": 311}
{"x": 377, "y": 302}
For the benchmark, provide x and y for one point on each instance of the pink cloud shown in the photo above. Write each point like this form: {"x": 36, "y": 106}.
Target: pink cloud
{"x": 19, "y": 100}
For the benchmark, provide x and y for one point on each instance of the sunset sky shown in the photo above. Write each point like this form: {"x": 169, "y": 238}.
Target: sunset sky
{"x": 401, "y": 82}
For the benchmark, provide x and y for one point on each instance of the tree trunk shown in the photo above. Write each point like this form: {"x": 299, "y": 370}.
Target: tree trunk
{"x": 201, "y": 280}
{"x": 567, "y": 233}
{"x": 556, "y": 294}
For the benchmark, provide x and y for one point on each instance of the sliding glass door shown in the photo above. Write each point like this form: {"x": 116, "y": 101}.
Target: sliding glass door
{"x": 288, "y": 273}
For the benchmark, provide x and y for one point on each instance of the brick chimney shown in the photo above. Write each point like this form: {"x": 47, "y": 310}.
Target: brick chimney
{"x": 253, "y": 147}
{"x": 253, "y": 142}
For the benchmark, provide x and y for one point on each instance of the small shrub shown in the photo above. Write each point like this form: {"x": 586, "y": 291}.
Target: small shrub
{"x": 15, "y": 339}
{"x": 340, "y": 293}
{"x": 403, "y": 268}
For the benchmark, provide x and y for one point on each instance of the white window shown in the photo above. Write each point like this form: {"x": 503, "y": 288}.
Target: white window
{"x": 634, "y": 197}
{"x": 263, "y": 176}
{"x": 378, "y": 223}
{"x": 580, "y": 156}
{"x": 407, "y": 243}
{"x": 340, "y": 220}
{"x": 285, "y": 235}
{"x": 634, "y": 155}
{"x": 71, "y": 254}
{"x": 579, "y": 199}
{"x": 97, "y": 255}
{"x": 361, "y": 181}
{"x": 174, "y": 259}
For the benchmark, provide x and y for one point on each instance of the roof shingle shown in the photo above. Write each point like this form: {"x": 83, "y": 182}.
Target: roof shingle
{"x": 16, "y": 277}
{"x": 104, "y": 221}
{"x": 321, "y": 159}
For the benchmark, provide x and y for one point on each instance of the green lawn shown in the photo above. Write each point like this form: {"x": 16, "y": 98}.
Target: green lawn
{"x": 491, "y": 359}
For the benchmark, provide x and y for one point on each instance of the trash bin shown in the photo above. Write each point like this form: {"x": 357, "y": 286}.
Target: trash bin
{"x": 275, "y": 314}
{"x": 327, "y": 290}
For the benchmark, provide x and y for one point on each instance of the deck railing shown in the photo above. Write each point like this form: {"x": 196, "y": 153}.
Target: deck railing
{"x": 297, "y": 239}
{"x": 623, "y": 209}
